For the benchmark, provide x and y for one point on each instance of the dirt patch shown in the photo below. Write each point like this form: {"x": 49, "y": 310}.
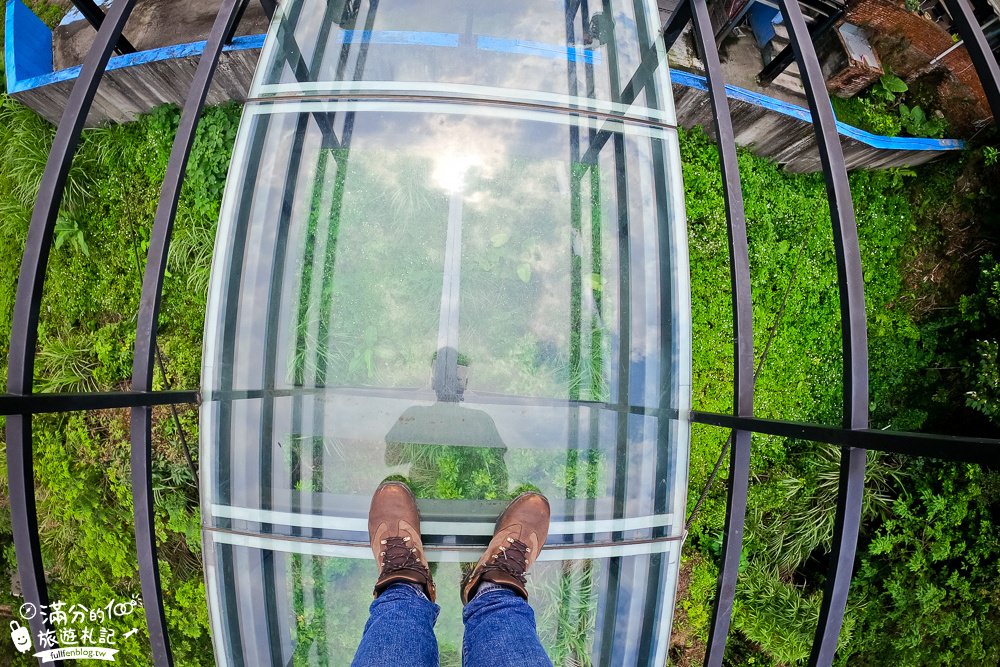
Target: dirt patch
{"x": 950, "y": 237}
{"x": 687, "y": 649}
{"x": 166, "y": 440}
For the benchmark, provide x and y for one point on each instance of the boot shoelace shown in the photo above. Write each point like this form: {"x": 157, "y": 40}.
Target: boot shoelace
{"x": 399, "y": 555}
{"x": 512, "y": 559}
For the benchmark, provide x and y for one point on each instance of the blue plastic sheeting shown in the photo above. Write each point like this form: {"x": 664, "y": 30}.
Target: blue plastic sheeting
{"x": 24, "y": 34}
{"x": 795, "y": 111}
{"x": 446, "y": 39}
{"x": 19, "y": 84}
{"x": 74, "y": 15}
{"x": 529, "y": 48}
{"x": 33, "y": 55}
{"x": 762, "y": 18}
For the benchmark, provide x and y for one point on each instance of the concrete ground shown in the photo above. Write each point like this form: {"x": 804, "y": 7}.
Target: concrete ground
{"x": 153, "y": 23}
{"x": 741, "y": 62}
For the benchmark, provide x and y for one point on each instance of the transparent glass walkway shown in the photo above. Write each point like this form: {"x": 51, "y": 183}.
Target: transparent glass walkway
{"x": 452, "y": 248}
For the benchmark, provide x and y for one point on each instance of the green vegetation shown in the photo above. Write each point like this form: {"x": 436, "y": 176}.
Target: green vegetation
{"x": 86, "y": 334}
{"x": 927, "y": 589}
{"x": 883, "y": 110}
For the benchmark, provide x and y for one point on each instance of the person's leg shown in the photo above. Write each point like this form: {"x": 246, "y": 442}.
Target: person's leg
{"x": 500, "y": 630}
{"x": 499, "y": 623}
{"x": 400, "y": 629}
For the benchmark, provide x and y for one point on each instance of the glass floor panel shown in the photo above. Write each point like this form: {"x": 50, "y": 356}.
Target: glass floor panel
{"x": 306, "y": 603}
{"x": 599, "y": 56}
{"x": 477, "y": 296}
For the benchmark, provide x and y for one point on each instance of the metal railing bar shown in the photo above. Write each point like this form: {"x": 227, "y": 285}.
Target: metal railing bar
{"x": 964, "y": 20}
{"x": 676, "y": 24}
{"x": 95, "y": 17}
{"x": 37, "y": 404}
{"x": 145, "y": 340}
{"x": 235, "y": 23}
{"x": 743, "y": 385}
{"x": 984, "y": 451}
{"x": 855, "y": 337}
{"x": 783, "y": 59}
{"x": 270, "y": 7}
{"x": 24, "y": 331}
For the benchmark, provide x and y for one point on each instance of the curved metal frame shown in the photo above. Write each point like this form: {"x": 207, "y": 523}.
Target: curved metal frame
{"x": 145, "y": 339}
{"x": 20, "y": 403}
{"x": 24, "y": 332}
{"x": 855, "y": 436}
{"x": 855, "y": 338}
{"x": 979, "y": 51}
{"x": 743, "y": 371}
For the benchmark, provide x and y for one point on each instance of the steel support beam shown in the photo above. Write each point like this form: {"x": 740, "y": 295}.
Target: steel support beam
{"x": 46, "y": 403}
{"x": 676, "y": 24}
{"x": 855, "y": 337}
{"x": 145, "y": 339}
{"x": 784, "y": 58}
{"x": 270, "y": 7}
{"x": 983, "y": 451}
{"x": 95, "y": 17}
{"x": 234, "y": 23}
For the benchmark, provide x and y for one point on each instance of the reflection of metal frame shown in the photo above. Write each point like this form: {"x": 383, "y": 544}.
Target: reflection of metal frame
{"x": 20, "y": 403}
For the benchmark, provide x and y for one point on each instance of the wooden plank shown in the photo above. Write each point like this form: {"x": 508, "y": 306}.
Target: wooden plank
{"x": 127, "y": 92}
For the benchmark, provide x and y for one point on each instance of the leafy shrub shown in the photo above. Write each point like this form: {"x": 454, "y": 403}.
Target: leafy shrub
{"x": 931, "y": 576}
{"x": 917, "y": 123}
{"x": 882, "y": 110}
{"x": 981, "y": 312}
{"x": 65, "y": 365}
{"x": 802, "y": 522}
{"x": 867, "y": 115}
{"x": 778, "y": 616}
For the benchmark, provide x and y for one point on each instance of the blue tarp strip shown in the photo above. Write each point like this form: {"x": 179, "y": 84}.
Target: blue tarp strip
{"x": 529, "y": 48}
{"x": 795, "y": 111}
{"x": 496, "y": 44}
{"x": 404, "y": 37}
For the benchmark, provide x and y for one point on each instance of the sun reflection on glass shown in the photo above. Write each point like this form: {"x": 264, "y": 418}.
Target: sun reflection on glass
{"x": 451, "y": 168}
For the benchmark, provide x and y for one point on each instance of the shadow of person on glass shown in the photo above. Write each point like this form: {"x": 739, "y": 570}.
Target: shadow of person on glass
{"x": 454, "y": 452}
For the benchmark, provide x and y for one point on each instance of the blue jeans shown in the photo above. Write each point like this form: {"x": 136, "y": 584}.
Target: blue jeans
{"x": 499, "y": 630}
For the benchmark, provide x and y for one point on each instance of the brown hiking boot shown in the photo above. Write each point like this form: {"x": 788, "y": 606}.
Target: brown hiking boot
{"x": 520, "y": 534}
{"x": 394, "y": 529}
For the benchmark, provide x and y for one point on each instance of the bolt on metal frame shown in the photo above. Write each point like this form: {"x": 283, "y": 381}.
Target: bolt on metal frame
{"x": 20, "y": 403}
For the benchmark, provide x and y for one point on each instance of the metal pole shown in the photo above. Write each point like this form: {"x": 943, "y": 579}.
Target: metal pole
{"x": 984, "y": 451}
{"x": 979, "y": 50}
{"x": 24, "y": 332}
{"x": 95, "y": 17}
{"x": 743, "y": 382}
{"x": 855, "y": 338}
{"x": 145, "y": 340}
